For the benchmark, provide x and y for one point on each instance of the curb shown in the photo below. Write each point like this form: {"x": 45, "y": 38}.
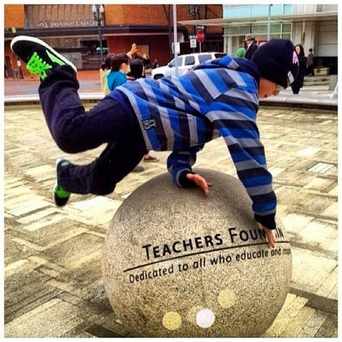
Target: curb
{"x": 316, "y": 301}
{"x": 283, "y": 102}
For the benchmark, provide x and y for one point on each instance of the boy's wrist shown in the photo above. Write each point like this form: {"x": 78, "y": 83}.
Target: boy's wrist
{"x": 183, "y": 181}
{"x": 266, "y": 220}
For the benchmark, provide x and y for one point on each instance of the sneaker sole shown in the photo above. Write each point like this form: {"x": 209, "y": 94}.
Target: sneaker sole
{"x": 48, "y": 47}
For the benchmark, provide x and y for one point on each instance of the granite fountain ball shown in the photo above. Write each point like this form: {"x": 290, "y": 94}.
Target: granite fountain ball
{"x": 177, "y": 263}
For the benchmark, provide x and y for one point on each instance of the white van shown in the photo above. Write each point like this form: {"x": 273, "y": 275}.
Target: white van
{"x": 185, "y": 63}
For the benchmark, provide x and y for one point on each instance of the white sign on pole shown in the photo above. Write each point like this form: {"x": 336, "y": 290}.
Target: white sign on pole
{"x": 177, "y": 48}
{"x": 193, "y": 43}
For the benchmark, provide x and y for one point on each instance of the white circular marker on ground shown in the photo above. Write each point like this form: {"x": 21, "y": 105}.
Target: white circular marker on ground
{"x": 205, "y": 318}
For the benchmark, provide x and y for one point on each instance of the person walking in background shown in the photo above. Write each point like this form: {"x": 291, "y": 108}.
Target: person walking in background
{"x": 310, "y": 63}
{"x": 251, "y": 46}
{"x": 298, "y": 83}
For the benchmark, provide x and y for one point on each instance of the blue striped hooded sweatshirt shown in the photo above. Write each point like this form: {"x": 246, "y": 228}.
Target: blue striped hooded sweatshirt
{"x": 181, "y": 114}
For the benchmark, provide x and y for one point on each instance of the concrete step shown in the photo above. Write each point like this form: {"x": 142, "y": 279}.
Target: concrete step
{"x": 316, "y": 80}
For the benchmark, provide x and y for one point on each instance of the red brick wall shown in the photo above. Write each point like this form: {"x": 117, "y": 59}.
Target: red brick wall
{"x": 154, "y": 14}
{"x": 14, "y": 16}
{"x": 158, "y": 45}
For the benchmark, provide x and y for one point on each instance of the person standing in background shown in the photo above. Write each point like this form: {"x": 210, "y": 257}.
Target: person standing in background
{"x": 240, "y": 52}
{"x": 298, "y": 83}
{"x": 119, "y": 68}
{"x": 136, "y": 72}
{"x": 310, "y": 63}
{"x": 251, "y": 46}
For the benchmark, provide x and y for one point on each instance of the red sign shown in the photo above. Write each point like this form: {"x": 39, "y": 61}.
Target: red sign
{"x": 200, "y": 36}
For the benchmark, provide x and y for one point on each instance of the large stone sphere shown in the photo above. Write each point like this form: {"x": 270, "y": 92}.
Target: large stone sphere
{"x": 178, "y": 263}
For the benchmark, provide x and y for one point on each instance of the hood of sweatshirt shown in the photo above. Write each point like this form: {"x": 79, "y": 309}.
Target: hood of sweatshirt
{"x": 233, "y": 63}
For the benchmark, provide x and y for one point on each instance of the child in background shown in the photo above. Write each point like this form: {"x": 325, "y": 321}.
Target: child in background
{"x": 104, "y": 72}
{"x": 120, "y": 68}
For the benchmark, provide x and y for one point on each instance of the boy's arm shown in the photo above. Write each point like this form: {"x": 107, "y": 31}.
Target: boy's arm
{"x": 242, "y": 138}
{"x": 179, "y": 164}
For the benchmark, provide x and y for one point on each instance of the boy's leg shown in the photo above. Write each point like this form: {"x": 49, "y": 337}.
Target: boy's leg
{"x": 101, "y": 176}
{"x": 73, "y": 129}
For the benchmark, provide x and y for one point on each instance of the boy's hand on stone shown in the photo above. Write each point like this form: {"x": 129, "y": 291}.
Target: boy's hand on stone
{"x": 269, "y": 235}
{"x": 199, "y": 181}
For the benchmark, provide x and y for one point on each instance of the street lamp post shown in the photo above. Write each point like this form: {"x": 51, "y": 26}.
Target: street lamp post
{"x": 175, "y": 43}
{"x": 269, "y": 22}
{"x": 98, "y": 11}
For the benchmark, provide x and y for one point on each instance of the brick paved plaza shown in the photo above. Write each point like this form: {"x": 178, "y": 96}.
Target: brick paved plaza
{"x": 53, "y": 284}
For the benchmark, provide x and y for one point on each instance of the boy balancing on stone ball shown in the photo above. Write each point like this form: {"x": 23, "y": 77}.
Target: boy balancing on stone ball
{"x": 219, "y": 98}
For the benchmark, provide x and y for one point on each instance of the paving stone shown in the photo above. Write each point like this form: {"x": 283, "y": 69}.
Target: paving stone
{"x": 306, "y": 203}
{"x": 310, "y": 269}
{"x": 328, "y": 328}
{"x": 294, "y": 223}
{"x": 313, "y": 324}
{"x": 51, "y": 319}
{"x": 56, "y": 219}
{"x": 320, "y": 234}
{"x": 72, "y": 252}
{"x": 320, "y": 184}
{"x": 14, "y": 251}
{"x": 22, "y": 289}
{"x": 308, "y": 151}
{"x": 38, "y": 215}
{"x": 17, "y": 191}
{"x": 289, "y": 310}
{"x": 21, "y": 200}
{"x": 329, "y": 286}
{"x": 53, "y": 235}
{"x": 334, "y": 191}
{"x": 29, "y": 207}
{"x": 97, "y": 210}
{"x": 331, "y": 211}
{"x": 294, "y": 327}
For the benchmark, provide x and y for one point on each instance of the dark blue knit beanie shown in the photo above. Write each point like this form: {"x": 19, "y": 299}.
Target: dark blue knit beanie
{"x": 277, "y": 61}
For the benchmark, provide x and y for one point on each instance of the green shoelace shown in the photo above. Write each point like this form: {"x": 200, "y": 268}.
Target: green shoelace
{"x": 61, "y": 193}
{"x": 37, "y": 66}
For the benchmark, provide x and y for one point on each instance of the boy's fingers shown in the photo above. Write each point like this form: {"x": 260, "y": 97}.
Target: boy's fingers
{"x": 270, "y": 239}
{"x": 199, "y": 181}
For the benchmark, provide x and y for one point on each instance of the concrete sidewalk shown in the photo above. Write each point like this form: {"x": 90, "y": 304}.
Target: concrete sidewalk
{"x": 53, "y": 280}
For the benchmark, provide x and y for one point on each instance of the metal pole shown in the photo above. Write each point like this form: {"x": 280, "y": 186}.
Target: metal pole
{"x": 100, "y": 30}
{"x": 175, "y": 37}
{"x": 269, "y": 22}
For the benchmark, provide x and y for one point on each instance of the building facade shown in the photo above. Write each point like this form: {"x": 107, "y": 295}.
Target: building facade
{"x": 313, "y": 26}
{"x": 74, "y": 31}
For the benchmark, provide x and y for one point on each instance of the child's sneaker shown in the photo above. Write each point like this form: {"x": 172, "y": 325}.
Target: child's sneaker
{"x": 60, "y": 196}
{"x": 40, "y": 58}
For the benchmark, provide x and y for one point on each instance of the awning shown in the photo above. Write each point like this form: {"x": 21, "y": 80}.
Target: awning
{"x": 318, "y": 16}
